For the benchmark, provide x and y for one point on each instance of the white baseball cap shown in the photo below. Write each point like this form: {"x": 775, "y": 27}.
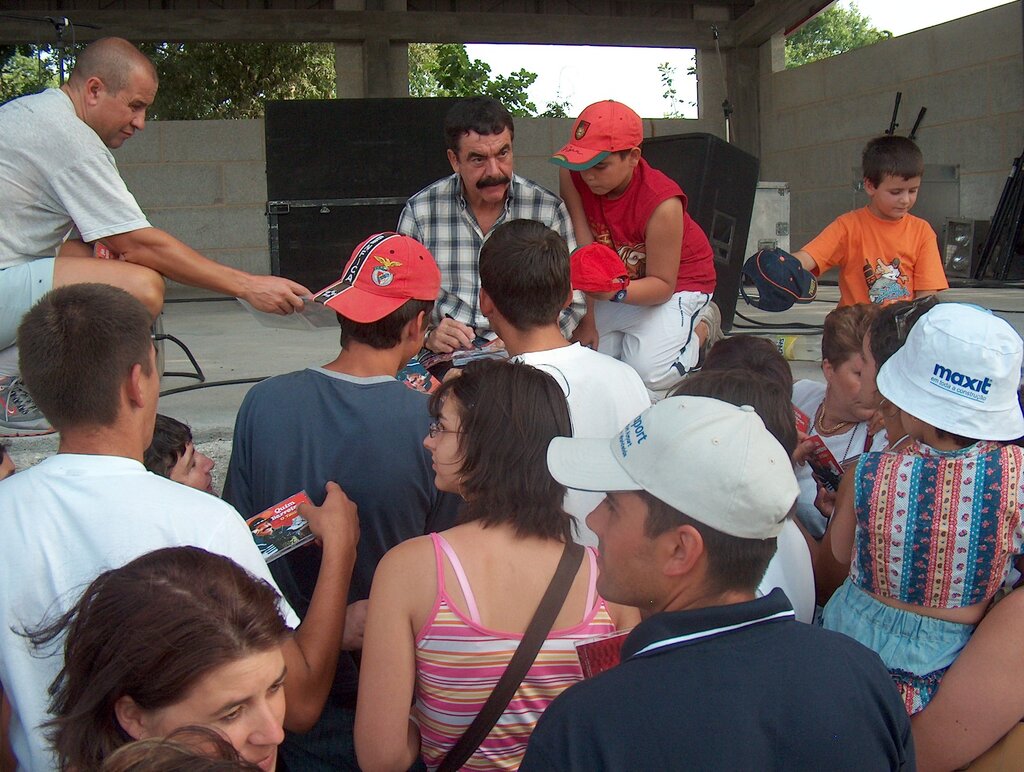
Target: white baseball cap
{"x": 959, "y": 371}
{"x": 711, "y": 460}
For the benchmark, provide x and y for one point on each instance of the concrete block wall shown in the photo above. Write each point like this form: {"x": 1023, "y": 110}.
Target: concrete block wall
{"x": 816, "y": 119}
{"x": 205, "y": 181}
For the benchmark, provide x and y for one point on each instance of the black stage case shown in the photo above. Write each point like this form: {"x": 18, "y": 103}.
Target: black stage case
{"x": 719, "y": 180}
{"x": 339, "y": 170}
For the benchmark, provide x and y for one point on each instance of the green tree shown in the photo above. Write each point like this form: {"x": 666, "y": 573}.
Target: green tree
{"x": 233, "y": 80}
{"x": 830, "y": 33}
{"x": 667, "y": 73}
{"x": 445, "y": 69}
{"x": 25, "y": 70}
{"x": 556, "y": 108}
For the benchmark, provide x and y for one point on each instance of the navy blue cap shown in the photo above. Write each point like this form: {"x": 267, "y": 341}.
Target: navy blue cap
{"x": 780, "y": 280}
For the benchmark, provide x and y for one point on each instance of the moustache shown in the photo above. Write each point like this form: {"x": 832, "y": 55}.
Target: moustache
{"x": 491, "y": 182}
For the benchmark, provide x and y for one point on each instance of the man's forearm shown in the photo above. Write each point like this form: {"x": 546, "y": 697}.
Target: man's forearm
{"x": 318, "y": 641}
{"x": 159, "y": 250}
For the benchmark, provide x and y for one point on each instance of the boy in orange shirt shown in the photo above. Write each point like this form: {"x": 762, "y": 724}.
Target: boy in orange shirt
{"x": 883, "y": 252}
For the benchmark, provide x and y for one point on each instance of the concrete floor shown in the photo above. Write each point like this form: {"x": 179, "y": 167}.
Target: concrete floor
{"x": 231, "y": 345}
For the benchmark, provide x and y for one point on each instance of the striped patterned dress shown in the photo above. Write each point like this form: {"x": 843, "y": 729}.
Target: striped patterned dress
{"x": 459, "y": 661}
{"x": 938, "y": 528}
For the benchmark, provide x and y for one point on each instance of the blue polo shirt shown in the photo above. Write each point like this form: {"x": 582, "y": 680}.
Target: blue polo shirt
{"x": 743, "y": 686}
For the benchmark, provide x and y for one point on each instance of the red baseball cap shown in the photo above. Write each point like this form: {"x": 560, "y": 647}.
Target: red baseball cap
{"x": 602, "y": 129}
{"x": 383, "y": 273}
{"x": 597, "y": 268}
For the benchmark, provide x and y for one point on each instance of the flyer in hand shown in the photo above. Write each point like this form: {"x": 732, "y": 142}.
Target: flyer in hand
{"x": 415, "y": 376}
{"x": 280, "y": 529}
{"x": 481, "y": 348}
{"x": 823, "y": 464}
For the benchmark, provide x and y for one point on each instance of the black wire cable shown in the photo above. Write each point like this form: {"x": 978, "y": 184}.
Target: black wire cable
{"x": 211, "y": 384}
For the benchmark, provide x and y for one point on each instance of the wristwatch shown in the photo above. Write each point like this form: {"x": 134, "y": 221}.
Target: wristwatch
{"x": 619, "y": 297}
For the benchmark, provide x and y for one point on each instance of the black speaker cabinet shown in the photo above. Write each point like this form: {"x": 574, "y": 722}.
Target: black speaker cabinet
{"x": 719, "y": 180}
{"x": 339, "y": 170}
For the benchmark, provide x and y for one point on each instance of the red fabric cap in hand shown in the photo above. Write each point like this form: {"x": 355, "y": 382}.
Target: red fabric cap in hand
{"x": 596, "y": 268}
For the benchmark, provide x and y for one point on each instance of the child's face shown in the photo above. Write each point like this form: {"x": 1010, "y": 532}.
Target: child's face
{"x": 893, "y": 197}
{"x": 611, "y": 176}
{"x": 194, "y": 469}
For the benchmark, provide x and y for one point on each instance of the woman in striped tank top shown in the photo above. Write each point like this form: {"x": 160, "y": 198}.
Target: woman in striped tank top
{"x": 447, "y": 611}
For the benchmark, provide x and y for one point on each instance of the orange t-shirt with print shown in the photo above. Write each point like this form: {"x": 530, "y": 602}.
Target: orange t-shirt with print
{"x": 880, "y": 261}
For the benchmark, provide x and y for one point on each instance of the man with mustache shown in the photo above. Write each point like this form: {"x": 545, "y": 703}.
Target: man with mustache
{"x": 454, "y": 216}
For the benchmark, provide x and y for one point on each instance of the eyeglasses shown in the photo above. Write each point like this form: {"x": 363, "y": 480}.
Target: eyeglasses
{"x": 436, "y": 429}
{"x": 906, "y": 317}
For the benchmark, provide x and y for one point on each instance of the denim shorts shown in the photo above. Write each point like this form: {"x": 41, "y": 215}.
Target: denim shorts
{"x": 20, "y": 287}
{"x": 903, "y": 639}
{"x": 916, "y": 649}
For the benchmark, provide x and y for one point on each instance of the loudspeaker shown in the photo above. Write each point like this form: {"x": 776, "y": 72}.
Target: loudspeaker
{"x": 339, "y": 170}
{"x": 962, "y": 242}
{"x": 719, "y": 180}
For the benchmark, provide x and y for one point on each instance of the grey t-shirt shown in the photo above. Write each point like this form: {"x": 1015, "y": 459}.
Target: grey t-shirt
{"x": 56, "y": 176}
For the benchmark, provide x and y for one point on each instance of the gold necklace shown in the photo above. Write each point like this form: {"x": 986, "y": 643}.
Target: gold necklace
{"x": 819, "y": 414}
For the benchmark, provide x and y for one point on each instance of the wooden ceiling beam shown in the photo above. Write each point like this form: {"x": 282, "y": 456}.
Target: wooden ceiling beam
{"x": 757, "y": 25}
{"x": 397, "y": 26}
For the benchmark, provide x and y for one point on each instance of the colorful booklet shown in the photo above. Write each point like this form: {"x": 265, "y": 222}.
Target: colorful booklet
{"x": 415, "y": 376}
{"x": 601, "y": 653}
{"x": 481, "y": 348}
{"x": 280, "y": 529}
{"x": 823, "y": 464}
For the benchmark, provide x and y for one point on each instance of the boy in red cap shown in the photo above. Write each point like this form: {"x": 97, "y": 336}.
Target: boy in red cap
{"x": 352, "y": 421}
{"x": 660, "y": 322}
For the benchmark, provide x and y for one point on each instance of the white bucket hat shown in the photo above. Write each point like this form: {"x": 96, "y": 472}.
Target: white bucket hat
{"x": 711, "y": 460}
{"x": 959, "y": 371}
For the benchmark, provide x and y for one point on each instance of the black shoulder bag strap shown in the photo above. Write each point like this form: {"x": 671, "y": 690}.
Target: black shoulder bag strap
{"x": 521, "y": 662}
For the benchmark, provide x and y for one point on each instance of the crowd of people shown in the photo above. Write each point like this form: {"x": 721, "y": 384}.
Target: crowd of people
{"x": 630, "y": 544}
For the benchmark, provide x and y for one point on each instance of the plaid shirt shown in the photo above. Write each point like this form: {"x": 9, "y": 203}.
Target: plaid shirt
{"x": 439, "y": 218}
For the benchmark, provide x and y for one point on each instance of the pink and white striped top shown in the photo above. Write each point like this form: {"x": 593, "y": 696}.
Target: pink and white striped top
{"x": 459, "y": 661}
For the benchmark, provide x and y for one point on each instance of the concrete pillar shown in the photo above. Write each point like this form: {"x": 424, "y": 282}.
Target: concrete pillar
{"x": 348, "y": 59}
{"x": 385, "y": 64}
{"x": 740, "y": 82}
{"x": 742, "y": 76}
{"x": 710, "y": 89}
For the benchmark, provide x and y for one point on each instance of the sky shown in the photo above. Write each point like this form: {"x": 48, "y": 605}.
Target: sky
{"x": 586, "y": 74}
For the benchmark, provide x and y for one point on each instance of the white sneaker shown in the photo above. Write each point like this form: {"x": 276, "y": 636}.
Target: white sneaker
{"x": 712, "y": 317}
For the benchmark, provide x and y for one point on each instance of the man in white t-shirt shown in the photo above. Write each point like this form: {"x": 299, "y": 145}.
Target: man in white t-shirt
{"x": 524, "y": 285}
{"x": 87, "y": 355}
{"x": 63, "y": 199}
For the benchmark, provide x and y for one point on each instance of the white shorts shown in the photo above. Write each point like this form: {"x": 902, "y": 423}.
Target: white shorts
{"x": 20, "y": 287}
{"x": 657, "y": 341}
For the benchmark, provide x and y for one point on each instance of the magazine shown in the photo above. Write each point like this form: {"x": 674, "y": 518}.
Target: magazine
{"x": 280, "y": 529}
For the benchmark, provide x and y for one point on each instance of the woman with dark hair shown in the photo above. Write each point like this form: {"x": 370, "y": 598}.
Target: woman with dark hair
{"x": 886, "y": 335}
{"x": 448, "y": 610}
{"x": 790, "y": 567}
{"x": 177, "y": 637}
